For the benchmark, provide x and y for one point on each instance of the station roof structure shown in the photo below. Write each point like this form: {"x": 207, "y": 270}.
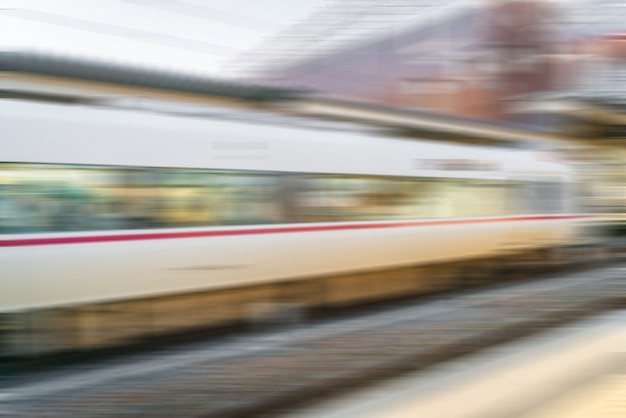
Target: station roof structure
{"x": 79, "y": 79}
{"x": 420, "y": 123}
{"x": 69, "y": 79}
{"x": 596, "y": 117}
{"x": 593, "y": 107}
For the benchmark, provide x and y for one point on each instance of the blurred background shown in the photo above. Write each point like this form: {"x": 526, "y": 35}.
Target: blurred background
{"x": 308, "y": 193}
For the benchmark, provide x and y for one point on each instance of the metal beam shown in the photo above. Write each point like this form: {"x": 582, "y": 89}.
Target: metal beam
{"x": 418, "y": 120}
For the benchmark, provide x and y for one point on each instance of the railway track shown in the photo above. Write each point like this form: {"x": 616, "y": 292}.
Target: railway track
{"x": 260, "y": 374}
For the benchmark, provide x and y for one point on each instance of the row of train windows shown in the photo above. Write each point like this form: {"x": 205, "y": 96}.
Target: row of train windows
{"x": 41, "y": 198}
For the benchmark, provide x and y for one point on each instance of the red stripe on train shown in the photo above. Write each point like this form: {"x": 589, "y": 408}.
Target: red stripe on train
{"x": 262, "y": 230}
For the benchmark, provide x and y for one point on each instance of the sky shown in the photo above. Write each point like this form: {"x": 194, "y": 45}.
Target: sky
{"x": 194, "y": 35}
{"x": 201, "y": 36}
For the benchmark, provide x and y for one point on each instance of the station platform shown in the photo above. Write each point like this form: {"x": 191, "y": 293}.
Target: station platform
{"x": 577, "y": 371}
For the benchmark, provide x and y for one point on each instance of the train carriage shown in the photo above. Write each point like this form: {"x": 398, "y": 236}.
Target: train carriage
{"x": 164, "y": 223}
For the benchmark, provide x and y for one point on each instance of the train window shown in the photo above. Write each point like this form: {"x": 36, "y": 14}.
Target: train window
{"x": 323, "y": 198}
{"x": 42, "y": 198}
{"x": 39, "y": 198}
{"x": 240, "y": 199}
{"x": 481, "y": 198}
{"x": 520, "y": 198}
{"x": 539, "y": 197}
{"x": 167, "y": 198}
{"x": 437, "y": 198}
{"x": 419, "y": 198}
{"x": 560, "y": 197}
{"x": 339, "y": 198}
{"x": 444, "y": 198}
{"x": 180, "y": 198}
{"x": 549, "y": 197}
{"x": 393, "y": 198}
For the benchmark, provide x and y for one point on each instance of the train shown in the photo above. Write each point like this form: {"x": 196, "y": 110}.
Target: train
{"x": 118, "y": 225}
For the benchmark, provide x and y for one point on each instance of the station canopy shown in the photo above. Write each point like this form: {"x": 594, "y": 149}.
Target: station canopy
{"x": 42, "y": 76}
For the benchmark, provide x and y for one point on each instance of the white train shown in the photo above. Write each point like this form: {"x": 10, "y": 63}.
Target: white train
{"x": 116, "y": 224}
